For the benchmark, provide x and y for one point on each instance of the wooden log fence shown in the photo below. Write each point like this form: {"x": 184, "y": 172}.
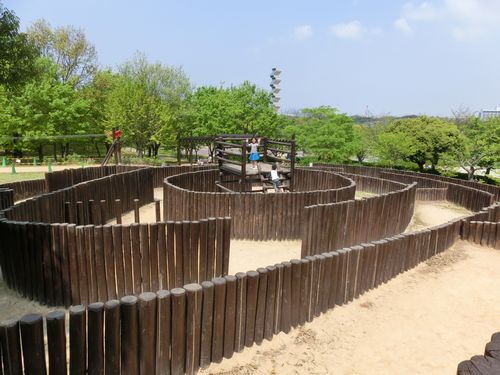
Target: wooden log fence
{"x": 353, "y": 222}
{"x": 63, "y": 205}
{"x": 191, "y": 196}
{"x": 65, "y": 264}
{"x": 171, "y": 307}
{"x": 181, "y": 330}
{"x": 69, "y": 177}
{"x": 6, "y": 198}
{"x": 377, "y": 172}
{"x": 26, "y": 189}
{"x": 484, "y": 233}
{"x": 431, "y": 194}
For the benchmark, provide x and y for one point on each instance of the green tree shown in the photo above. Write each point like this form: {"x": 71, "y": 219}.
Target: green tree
{"x": 242, "y": 109}
{"x": 479, "y": 146}
{"x": 363, "y": 141}
{"x": 68, "y": 47}
{"x": 417, "y": 140}
{"x": 323, "y": 133}
{"x": 146, "y": 102}
{"x": 45, "y": 111}
{"x": 17, "y": 54}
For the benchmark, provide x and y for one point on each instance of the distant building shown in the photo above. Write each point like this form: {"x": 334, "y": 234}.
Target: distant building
{"x": 485, "y": 114}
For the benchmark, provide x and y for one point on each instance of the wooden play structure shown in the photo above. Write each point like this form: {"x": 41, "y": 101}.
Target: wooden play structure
{"x": 236, "y": 172}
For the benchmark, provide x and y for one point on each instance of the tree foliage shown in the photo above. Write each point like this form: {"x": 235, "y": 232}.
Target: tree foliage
{"x": 17, "y": 54}
{"x": 68, "y": 47}
{"x": 417, "y": 140}
{"x": 324, "y": 134}
{"x": 242, "y": 109}
{"x": 144, "y": 100}
{"x": 479, "y": 145}
{"x": 42, "y": 109}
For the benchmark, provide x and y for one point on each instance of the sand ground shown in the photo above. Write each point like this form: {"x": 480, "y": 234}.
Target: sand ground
{"x": 422, "y": 322}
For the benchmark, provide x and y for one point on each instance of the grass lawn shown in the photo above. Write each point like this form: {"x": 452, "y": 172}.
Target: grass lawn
{"x": 20, "y": 176}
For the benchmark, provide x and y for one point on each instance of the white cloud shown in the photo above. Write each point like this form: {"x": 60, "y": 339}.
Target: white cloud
{"x": 422, "y": 12}
{"x": 473, "y": 19}
{"x": 302, "y": 32}
{"x": 402, "y": 25}
{"x": 467, "y": 20}
{"x": 349, "y": 30}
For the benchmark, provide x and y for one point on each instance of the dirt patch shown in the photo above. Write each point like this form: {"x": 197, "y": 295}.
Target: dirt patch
{"x": 446, "y": 259}
{"x": 429, "y": 214}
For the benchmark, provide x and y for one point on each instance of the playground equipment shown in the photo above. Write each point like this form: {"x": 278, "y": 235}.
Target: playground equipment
{"x": 236, "y": 172}
{"x": 115, "y": 148}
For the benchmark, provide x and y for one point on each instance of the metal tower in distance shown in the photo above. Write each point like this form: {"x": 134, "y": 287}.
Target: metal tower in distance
{"x": 275, "y": 89}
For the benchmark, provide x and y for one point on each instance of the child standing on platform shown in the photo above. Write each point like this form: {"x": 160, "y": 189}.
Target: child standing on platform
{"x": 275, "y": 179}
{"x": 254, "y": 152}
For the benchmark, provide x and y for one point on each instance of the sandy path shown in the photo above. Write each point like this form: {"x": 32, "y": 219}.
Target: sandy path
{"x": 429, "y": 214}
{"x": 423, "y": 322}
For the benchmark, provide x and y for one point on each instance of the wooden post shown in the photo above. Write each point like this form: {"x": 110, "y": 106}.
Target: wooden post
{"x": 244, "y": 162}
{"x": 33, "y": 344}
{"x": 95, "y": 337}
{"x": 178, "y": 296}
{"x": 136, "y": 211}
{"x": 218, "y": 328}
{"x": 112, "y": 336}
{"x": 56, "y": 337}
{"x": 207, "y": 323}
{"x": 147, "y": 333}
{"x": 292, "y": 162}
{"x": 264, "y": 149}
{"x": 11, "y": 346}
{"x": 129, "y": 335}
{"x": 104, "y": 216}
{"x": 118, "y": 211}
{"x": 77, "y": 340}
{"x": 164, "y": 328}
{"x": 230, "y": 316}
{"x": 194, "y": 294}
{"x": 158, "y": 211}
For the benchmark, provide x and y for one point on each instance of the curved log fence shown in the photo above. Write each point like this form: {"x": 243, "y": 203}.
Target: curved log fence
{"x": 81, "y": 203}
{"x": 190, "y": 196}
{"x": 210, "y": 317}
{"x": 377, "y": 172}
{"x": 26, "y": 189}
{"x": 66, "y": 264}
{"x": 6, "y": 198}
{"x": 353, "y": 222}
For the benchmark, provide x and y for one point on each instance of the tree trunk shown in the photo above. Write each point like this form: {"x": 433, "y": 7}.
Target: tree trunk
{"x": 156, "y": 148}
{"x": 40, "y": 153}
{"x": 420, "y": 166}
{"x": 97, "y": 149}
{"x": 54, "y": 146}
{"x": 470, "y": 174}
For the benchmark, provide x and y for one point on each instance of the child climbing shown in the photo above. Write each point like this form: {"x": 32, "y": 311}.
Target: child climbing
{"x": 254, "y": 153}
{"x": 275, "y": 178}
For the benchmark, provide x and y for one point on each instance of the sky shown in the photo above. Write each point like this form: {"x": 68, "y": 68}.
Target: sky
{"x": 362, "y": 57}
